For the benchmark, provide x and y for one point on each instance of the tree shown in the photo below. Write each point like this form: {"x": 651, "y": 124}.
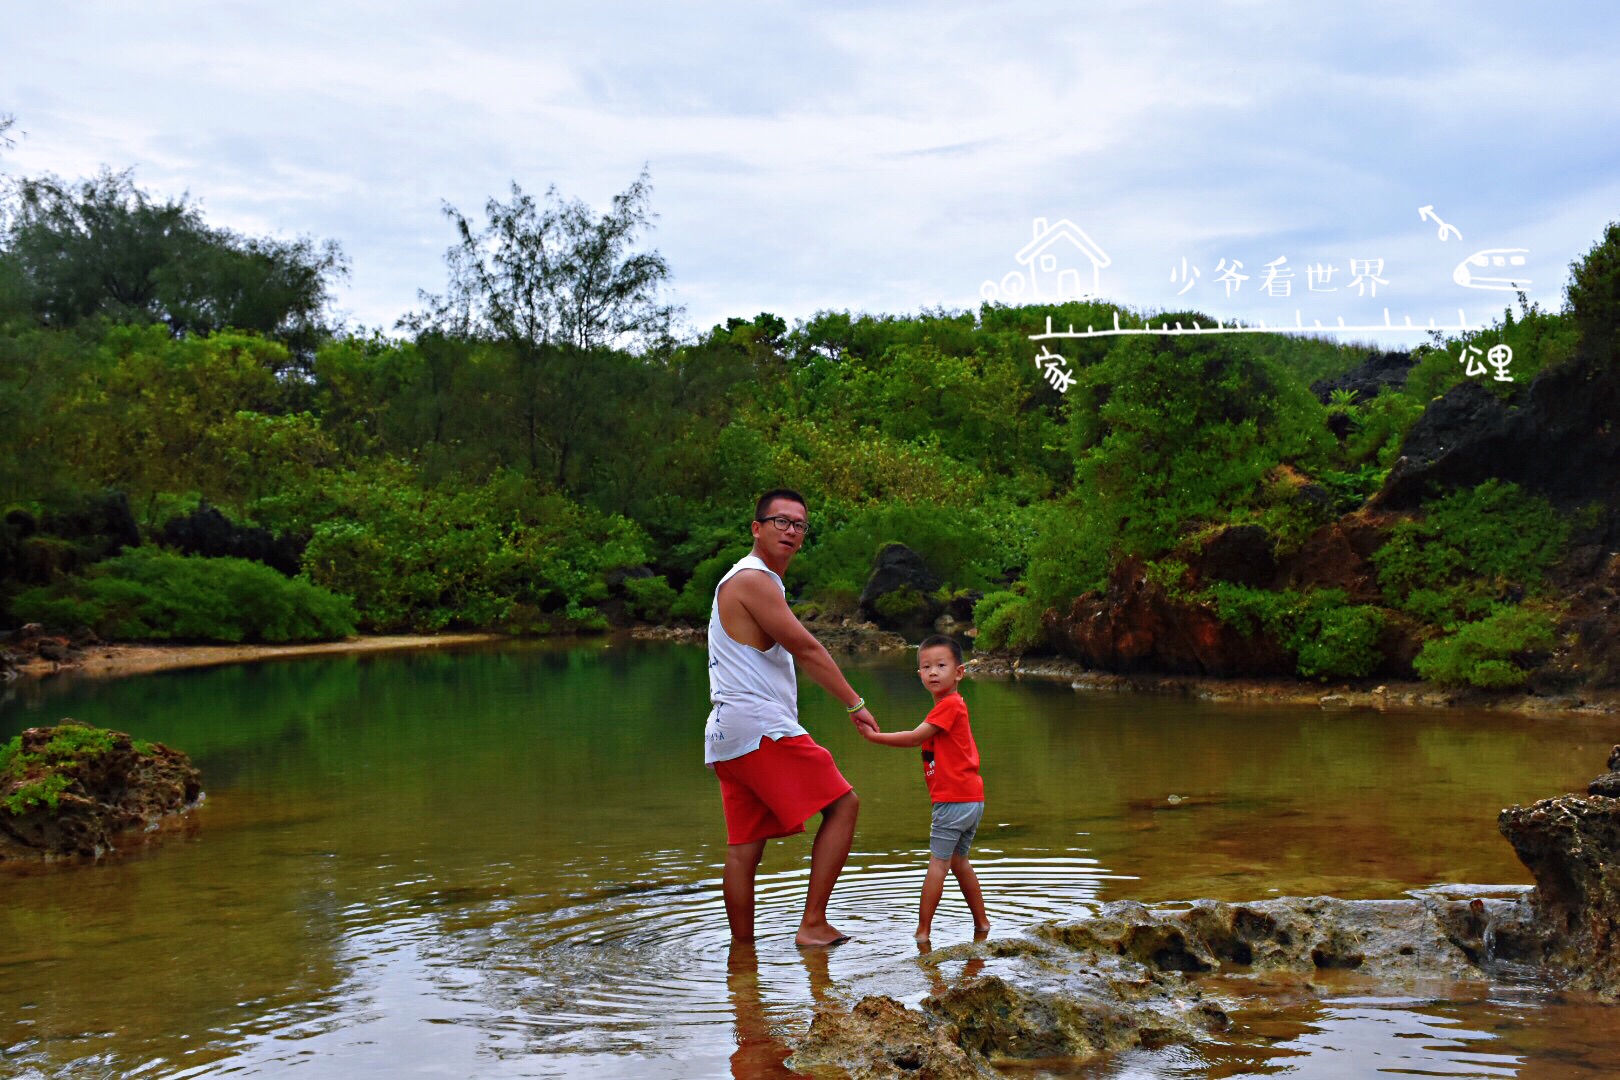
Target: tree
{"x": 555, "y": 287}
{"x": 1594, "y": 295}
{"x": 104, "y": 247}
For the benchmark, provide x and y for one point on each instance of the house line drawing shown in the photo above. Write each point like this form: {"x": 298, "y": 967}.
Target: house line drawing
{"x": 1063, "y": 263}
{"x": 1058, "y": 266}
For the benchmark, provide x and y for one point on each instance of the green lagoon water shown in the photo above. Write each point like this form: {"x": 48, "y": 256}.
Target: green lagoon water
{"x": 505, "y": 862}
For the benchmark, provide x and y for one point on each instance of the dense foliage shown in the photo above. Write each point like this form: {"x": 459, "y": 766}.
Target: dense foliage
{"x": 538, "y": 452}
{"x": 151, "y": 594}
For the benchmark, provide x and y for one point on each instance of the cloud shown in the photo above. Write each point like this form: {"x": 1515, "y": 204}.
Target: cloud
{"x": 880, "y": 158}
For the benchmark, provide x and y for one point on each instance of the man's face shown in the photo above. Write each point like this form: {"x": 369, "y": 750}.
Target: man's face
{"x": 786, "y": 541}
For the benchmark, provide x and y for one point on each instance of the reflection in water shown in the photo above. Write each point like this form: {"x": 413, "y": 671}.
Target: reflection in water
{"x": 506, "y": 862}
{"x": 1457, "y": 1034}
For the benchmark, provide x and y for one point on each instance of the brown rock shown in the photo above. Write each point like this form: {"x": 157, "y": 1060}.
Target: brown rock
{"x": 105, "y": 787}
{"x": 879, "y": 1039}
{"x": 1134, "y": 625}
{"x": 1338, "y": 556}
{"x": 1571, "y": 844}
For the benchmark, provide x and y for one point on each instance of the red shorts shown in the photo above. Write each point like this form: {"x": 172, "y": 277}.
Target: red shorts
{"x": 774, "y": 790}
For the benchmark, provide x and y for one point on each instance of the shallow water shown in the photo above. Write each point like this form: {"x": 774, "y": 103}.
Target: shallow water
{"x": 505, "y": 861}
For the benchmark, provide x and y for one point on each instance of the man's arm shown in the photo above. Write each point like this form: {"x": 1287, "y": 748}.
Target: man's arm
{"x": 768, "y": 608}
{"x": 915, "y": 737}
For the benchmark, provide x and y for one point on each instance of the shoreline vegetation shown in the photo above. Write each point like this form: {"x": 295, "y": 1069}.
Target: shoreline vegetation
{"x": 122, "y": 660}
{"x": 200, "y": 451}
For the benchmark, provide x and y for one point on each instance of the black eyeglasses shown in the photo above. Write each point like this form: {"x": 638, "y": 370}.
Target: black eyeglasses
{"x": 784, "y": 523}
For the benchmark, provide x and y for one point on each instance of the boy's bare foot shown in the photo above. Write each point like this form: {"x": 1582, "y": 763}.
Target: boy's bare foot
{"x": 981, "y": 930}
{"x": 818, "y": 934}
{"x": 922, "y": 933}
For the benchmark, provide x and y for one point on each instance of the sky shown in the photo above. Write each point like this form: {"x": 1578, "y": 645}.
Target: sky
{"x": 884, "y": 158}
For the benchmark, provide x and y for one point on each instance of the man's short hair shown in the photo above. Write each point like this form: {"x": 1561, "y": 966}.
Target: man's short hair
{"x": 772, "y": 495}
{"x": 935, "y": 640}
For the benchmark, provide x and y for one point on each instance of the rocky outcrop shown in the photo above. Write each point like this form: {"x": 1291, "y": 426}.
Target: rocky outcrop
{"x": 900, "y": 593}
{"x": 1130, "y": 977}
{"x": 1380, "y": 370}
{"x": 1571, "y": 844}
{"x": 1134, "y": 624}
{"x": 1561, "y": 442}
{"x": 75, "y": 790}
{"x": 1134, "y": 976}
{"x": 208, "y": 532}
{"x": 880, "y": 1039}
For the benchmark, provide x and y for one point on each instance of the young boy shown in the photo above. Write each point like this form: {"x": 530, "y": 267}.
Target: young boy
{"x": 951, "y": 767}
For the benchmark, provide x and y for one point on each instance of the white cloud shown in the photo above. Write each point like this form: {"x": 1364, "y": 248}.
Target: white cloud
{"x": 881, "y": 158}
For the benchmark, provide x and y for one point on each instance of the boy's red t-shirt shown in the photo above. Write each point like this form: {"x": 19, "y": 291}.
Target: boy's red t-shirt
{"x": 951, "y": 758}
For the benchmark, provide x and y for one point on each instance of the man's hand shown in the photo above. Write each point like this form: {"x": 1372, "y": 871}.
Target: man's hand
{"x": 863, "y": 720}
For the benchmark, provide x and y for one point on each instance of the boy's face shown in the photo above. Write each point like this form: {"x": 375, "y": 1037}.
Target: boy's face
{"x": 938, "y": 669}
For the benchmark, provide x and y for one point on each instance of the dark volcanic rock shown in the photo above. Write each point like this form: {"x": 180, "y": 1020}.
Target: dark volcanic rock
{"x": 900, "y": 593}
{"x": 1563, "y": 443}
{"x": 1133, "y": 625}
{"x": 1241, "y": 554}
{"x": 208, "y": 532}
{"x": 104, "y": 786}
{"x": 1379, "y": 370}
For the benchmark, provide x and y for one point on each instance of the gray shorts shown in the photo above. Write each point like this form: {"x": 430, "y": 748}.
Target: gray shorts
{"x": 953, "y": 827}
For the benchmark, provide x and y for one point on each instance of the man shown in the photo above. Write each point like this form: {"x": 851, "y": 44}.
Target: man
{"x": 773, "y": 776}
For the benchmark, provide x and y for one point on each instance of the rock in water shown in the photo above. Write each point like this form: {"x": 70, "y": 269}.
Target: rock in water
{"x": 880, "y": 1038}
{"x": 73, "y": 790}
{"x": 1571, "y": 844}
{"x": 1134, "y": 976}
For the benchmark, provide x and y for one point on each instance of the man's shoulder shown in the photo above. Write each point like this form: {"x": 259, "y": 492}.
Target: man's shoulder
{"x": 754, "y": 579}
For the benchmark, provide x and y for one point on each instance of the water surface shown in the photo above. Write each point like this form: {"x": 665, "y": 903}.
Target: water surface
{"x": 505, "y": 861}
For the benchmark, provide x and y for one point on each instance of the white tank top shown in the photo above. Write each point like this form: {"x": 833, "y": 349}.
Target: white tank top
{"x": 755, "y": 694}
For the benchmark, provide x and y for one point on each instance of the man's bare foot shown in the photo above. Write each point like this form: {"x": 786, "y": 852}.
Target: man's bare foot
{"x": 817, "y": 935}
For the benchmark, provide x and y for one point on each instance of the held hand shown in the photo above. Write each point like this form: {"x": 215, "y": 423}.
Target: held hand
{"x": 864, "y": 721}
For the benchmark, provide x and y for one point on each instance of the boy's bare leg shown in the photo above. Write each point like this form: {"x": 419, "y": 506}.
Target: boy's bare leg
{"x": 933, "y": 889}
{"x": 737, "y": 886}
{"x": 969, "y": 882}
{"x": 827, "y": 855}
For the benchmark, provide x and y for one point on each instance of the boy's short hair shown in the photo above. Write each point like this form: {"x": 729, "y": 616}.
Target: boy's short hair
{"x": 936, "y": 640}
{"x": 772, "y": 495}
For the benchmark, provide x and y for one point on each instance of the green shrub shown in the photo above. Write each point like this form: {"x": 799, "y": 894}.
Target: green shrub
{"x": 1008, "y": 621}
{"x": 1489, "y": 653}
{"x": 1594, "y": 295}
{"x": 1184, "y": 431}
{"x": 649, "y": 598}
{"x": 1385, "y": 420}
{"x": 1333, "y": 638}
{"x": 958, "y": 543}
{"x": 1328, "y": 635}
{"x": 901, "y": 605}
{"x": 1448, "y": 567}
{"x": 697, "y": 595}
{"x": 156, "y": 595}
{"x": 488, "y": 555}
{"x": 69, "y": 744}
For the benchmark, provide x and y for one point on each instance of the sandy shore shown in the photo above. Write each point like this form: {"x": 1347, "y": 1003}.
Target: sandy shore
{"x": 112, "y": 661}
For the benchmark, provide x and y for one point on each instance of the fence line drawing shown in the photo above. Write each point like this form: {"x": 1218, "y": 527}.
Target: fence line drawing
{"x": 1259, "y": 326}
